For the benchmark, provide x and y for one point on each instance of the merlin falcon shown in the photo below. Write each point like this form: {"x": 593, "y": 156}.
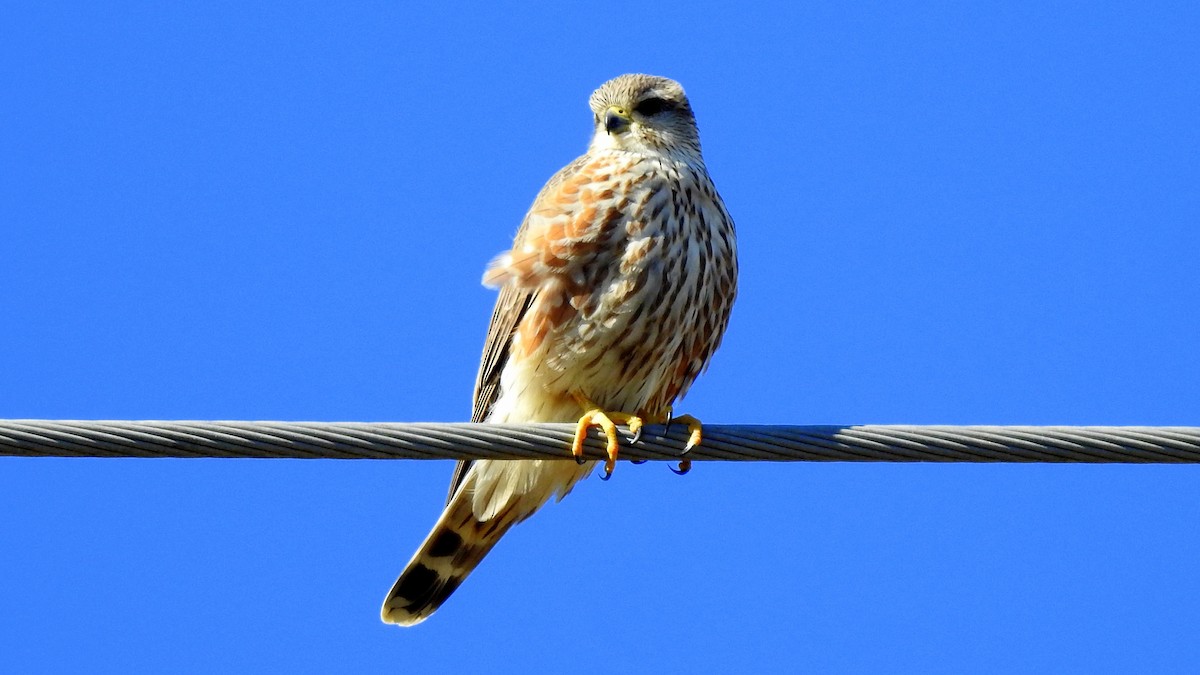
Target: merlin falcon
{"x": 613, "y": 298}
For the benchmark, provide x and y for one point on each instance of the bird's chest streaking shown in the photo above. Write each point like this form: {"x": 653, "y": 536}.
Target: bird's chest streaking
{"x": 633, "y": 280}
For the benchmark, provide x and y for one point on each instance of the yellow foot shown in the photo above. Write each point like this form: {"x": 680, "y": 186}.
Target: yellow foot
{"x": 694, "y": 437}
{"x": 593, "y": 415}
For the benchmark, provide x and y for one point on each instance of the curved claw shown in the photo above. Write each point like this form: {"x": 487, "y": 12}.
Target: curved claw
{"x": 695, "y": 436}
{"x": 635, "y": 423}
{"x": 607, "y": 473}
{"x": 638, "y": 461}
{"x": 594, "y": 416}
{"x": 685, "y": 465}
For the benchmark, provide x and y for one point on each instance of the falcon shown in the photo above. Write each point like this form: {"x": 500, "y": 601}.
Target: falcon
{"x": 613, "y": 298}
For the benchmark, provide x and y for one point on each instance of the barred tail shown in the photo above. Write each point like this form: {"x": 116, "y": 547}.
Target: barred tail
{"x": 458, "y": 542}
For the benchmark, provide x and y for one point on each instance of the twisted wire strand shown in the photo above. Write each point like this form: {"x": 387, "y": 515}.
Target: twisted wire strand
{"x": 385, "y": 440}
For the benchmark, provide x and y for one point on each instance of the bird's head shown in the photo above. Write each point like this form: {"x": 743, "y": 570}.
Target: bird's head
{"x": 644, "y": 113}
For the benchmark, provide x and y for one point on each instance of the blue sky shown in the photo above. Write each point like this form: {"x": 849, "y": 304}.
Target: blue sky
{"x": 957, "y": 213}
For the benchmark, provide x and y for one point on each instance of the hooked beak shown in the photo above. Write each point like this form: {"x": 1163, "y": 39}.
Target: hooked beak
{"x": 616, "y": 120}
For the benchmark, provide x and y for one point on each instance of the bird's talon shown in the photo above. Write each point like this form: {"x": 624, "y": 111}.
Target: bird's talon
{"x": 609, "y": 465}
{"x": 635, "y": 424}
{"x": 638, "y": 461}
{"x": 695, "y": 430}
{"x": 695, "y": 436}
{"x": 593, "y": 415}
{"x": 580, "y": 461}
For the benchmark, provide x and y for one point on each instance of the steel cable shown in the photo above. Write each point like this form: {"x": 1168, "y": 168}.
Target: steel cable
{"x": 380, "y": 440}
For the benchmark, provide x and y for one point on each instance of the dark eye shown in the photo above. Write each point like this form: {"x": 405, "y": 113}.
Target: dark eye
{"x": 653, "y": 106}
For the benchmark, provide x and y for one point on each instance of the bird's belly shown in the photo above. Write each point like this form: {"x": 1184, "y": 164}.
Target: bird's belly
{"x": 623, "y": 355}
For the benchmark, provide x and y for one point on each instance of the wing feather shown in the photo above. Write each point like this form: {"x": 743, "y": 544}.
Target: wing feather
{"x": 510, "y": 307}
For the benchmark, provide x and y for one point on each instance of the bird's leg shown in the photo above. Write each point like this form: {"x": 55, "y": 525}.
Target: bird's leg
{"x": 594, "y": 415}
{"x": 694, "y": 439}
